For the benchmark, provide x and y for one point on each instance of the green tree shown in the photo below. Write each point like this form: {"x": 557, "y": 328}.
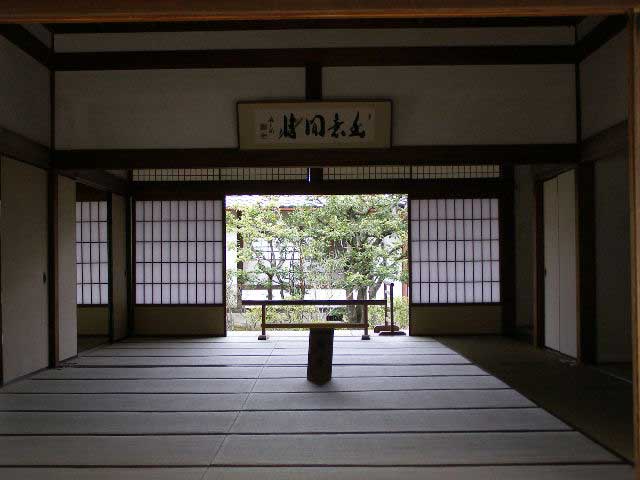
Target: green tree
{"x": 364, "y": 239}
{"x": 268, "y": 246}
{"x": 349, "y": 242}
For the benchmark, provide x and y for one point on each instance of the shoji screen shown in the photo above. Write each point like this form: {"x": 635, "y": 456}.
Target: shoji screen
{"x": 455, "y": 251}
{"x": 92, "y": 260}
{"x": 179, "y": 252}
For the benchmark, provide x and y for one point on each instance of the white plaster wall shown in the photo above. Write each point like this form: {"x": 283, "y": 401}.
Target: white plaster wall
{"x": 24, "y": 94}
{"x": 525, "y": 241}
{"x": 66, "y": 274}
{"x": 446, "y": 105}
{"x": 613, "y": 289}
{"x": 162, "y": 108}
{"x": 314, "y": 38}
{"x": 603, "y": 79}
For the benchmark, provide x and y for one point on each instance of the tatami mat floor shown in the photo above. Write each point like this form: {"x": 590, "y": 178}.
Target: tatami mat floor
{"x": 235, "y": 408}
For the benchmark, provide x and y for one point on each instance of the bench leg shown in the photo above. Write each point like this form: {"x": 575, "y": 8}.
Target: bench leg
{"x": 365, "y": 312}
{"x": 263, "y": 334}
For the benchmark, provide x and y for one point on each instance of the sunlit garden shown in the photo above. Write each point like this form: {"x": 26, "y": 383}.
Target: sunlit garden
{"x": 304, "y": 247}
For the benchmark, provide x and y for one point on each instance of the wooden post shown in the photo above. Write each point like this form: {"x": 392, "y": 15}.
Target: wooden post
{"x": 365, "y": 316}
{"x": 634, "y": 197}
{"x": 391, "y": 295}
{"x": 50, "y": 277}
{"x": 263, "y": 335}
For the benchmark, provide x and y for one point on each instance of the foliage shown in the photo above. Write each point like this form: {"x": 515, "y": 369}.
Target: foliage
{"x": 400, "y": 313}
{"x": 348, "y": 242}
{"x": 358, "y": 241}
{"x": 270, "y": 243}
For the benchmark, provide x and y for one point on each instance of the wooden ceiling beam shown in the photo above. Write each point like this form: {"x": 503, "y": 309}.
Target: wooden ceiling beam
{"x": 87, "y": 11}
{"x": 377, "y": 23}
{"x": 399, "y": 155}
{"x": 327, "y": 57}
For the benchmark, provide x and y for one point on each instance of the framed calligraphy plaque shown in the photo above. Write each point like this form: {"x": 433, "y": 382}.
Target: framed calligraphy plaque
{"x": 314, "y": 125}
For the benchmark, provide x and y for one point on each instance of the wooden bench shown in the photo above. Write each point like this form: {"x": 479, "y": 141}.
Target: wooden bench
{"x": 333, "y": 325}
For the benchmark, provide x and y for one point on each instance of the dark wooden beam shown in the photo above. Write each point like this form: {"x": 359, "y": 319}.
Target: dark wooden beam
{"x": 368, "y": 23}
{"x": 23, "y": 149}
{"x": 313, "y": 91}
{"x": 507, "y": 252}
{"x": 99, "y": 180}
{"x": 130, "y": 264}
{"x": 74, "y": 11}
{"x": 313, "y": 82}
{"x": 452, "y": 188}
{"x": 401, "y": 155}
{"x": 586, "y": 273}
{"x": 327, "y": 57}
{"x": 634, "y": 220}
{"x": 609, "y": 142}
{"x": 601, "y": 34}
{"x": 85, "y": 193}
{"x": 110, "y": 266}
{"x": 52, "y": 269}
{"x": 539, "y": 270}
{"x": 27, "y": 42}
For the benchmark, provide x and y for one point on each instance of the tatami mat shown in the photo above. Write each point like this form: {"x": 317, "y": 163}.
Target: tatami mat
{"x": 134, "y": 386}
{"x": 379, "y": 384}
{"x": 237, "y": 408}
{"x": 187, "y": 450}
{"x": 533, "y": 419}
{"x": 412, "y": 449}
{"x": 122, "y": 402}
{"x": 115, "y": 423}
{"x": 552, "y": 472}
{"x": 555, "y": 472}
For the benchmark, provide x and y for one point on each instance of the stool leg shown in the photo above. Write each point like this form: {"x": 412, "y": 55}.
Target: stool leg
{"x": 320, "y": 360}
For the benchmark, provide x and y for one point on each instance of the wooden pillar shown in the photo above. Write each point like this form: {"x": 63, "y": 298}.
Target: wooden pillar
{"x": 634, "y": 198}
{"x": 313, "y": 91}
{"x": 130, "y": 264}
{"x": 110, "y": 265}
{"x": 507, "y": 253}
{"x": 538, "y": 273}
{"x": 586, "y": 271}
{"x": 52, "y": 269}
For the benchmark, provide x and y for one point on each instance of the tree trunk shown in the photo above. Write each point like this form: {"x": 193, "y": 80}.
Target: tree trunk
{"x": 362, "y": 295}
{"x": 269, "y": 287}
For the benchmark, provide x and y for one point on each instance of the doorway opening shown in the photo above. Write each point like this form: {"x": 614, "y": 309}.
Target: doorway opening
{"x": 316, "y": 248}
{"x": 92, "y": 268}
